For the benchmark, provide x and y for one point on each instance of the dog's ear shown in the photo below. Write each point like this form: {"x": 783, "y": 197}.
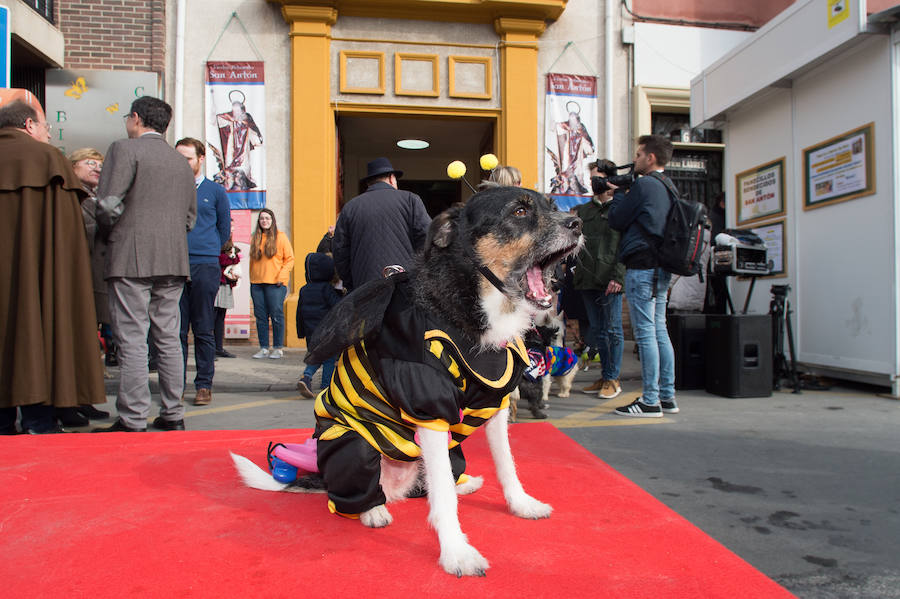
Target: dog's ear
{"x": 443, "y": 229}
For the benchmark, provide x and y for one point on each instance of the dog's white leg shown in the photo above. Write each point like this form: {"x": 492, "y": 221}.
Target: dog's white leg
{"x": 520, "y": 503}
{"x": 565, "y": 382}
{"x": 545, "y": 388}
{"x": 377, "y": 517}
{"x": 457, "y": 556}
{"x": 397, "y": 478}
{"x": 470, "y": 486}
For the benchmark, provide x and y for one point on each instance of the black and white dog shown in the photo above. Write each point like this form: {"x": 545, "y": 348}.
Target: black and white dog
{"x": 433, "y": 355}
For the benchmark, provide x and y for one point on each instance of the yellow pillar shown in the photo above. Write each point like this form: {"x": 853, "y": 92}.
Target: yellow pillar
{"x": 519, "y": 88}
{"x": 313, "y": 169}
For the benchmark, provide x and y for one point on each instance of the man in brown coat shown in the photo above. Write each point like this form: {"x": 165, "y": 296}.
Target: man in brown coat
{"x": 49, "y": 354}
{"x": 146, "y": 201}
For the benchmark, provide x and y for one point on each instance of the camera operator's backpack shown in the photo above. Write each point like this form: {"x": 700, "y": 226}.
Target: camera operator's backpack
{"x": 683, "y": 242}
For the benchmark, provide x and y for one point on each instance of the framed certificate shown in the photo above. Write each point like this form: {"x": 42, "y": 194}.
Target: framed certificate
{"x": 839, "y": 169}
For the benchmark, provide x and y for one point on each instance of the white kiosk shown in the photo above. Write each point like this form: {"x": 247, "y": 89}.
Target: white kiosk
{"x": 809, "y": 109}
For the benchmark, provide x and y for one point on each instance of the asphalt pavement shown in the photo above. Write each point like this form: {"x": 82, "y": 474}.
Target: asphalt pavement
{"x": 805, "y": 487}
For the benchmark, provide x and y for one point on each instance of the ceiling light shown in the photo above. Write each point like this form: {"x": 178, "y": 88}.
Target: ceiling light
{"x": 413, "y": 144}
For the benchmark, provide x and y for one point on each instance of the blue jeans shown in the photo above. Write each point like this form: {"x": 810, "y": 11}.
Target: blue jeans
{"x": 268, "y": 303}
{"x": 648, "y": 318}
{"x": 327, "y": 371}
{"x": 604, "y": 331}
{"x": 198, "y": 314}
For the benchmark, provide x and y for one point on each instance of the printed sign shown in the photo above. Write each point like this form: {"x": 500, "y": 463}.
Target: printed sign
{"x": 570, "y": 116}
{"x": 86, "y": 108}
{"x": 235, "y": 127}
{"x": 772, "y": 235}
{"x": 839, "y": 169}
{"x": 838, "y": 11}
{"x": 5, "y": 51}
{"x": 237, "y": 319}
{"x": 760, "y": 192}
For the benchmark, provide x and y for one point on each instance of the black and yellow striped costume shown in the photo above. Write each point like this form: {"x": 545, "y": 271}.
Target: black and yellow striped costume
{"x": 413, "y": 372}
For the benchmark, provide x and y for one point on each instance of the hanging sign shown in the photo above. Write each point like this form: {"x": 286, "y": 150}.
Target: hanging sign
{"x": 570, "y": 116}
{"x": 235, "y": 127}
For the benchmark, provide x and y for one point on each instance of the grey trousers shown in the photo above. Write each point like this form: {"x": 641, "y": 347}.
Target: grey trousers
{"x": 138, "y": 306}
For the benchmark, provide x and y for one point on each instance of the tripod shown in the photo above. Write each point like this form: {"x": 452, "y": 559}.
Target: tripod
{"x": 780, "y": 309}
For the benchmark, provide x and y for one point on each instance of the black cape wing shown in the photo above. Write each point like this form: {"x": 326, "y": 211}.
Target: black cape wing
{"x": 355, "y": 318}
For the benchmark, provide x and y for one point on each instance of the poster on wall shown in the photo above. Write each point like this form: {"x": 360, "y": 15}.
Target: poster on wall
{"x": 237, "y": 319}
{"x": 570, "y": 116}
{"x": 772, "y": 235}
{"x": 760, "y": 192}
{"x": 235, "y": 127}
{"x": 839, "y": 169}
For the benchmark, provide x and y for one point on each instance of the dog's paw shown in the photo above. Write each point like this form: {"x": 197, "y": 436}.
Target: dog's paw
{"x": 377, "y": 517}
{"x": 530, "y": 508}
{"x": 470, "y": 486}
{"x": 463, "y": 560}
{"x": 562, "y": 394}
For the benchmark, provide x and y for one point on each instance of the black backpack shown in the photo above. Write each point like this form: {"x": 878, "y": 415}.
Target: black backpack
{"x": 683, "y": 241}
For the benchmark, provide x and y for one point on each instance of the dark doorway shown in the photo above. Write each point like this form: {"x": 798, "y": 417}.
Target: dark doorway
{"x": 437, "y": 195}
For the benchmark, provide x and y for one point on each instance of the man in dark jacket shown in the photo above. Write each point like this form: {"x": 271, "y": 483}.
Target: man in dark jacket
{"x": 641, "y": 216}
{"x": 381, "y": 227}
{"x": 598, "y": 277}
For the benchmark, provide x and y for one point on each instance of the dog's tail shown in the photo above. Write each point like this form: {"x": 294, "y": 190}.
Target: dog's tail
{"x": 257, "y": 478}
{"x": 254, "y": 476}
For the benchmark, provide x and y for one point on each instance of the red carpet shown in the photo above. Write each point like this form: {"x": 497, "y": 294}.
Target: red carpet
{"x": 163, "y": 515}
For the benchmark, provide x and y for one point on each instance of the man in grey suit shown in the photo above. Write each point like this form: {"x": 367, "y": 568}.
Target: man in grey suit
{"x": 146, "y": 203}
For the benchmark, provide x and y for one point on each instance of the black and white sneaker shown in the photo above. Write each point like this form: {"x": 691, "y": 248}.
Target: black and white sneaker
{"x": 669, "y": 406}
{"x": 638, "y": 409}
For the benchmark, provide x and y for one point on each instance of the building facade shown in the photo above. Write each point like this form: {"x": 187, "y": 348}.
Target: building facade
{"x": 346, "y": 79}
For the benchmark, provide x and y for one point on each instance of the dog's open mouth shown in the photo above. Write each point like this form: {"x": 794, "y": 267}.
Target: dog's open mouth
{"x": 536, "y": 281}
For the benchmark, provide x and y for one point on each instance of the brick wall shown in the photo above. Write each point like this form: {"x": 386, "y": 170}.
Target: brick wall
{"x": 126, "y": 35}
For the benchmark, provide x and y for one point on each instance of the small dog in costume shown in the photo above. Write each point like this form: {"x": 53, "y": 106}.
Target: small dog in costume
{"x": 427, "y": 357}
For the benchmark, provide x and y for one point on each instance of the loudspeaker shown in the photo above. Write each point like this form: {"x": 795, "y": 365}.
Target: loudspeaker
{"x": 688, "y": 335}
{"x": 739, "y": 355}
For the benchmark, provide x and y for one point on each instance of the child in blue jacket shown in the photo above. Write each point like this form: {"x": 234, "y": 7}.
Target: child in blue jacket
{"x": 316, "y": 298}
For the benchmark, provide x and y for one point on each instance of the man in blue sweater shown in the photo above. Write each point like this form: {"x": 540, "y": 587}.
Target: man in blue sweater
{"x": 205, "y": 242}
{"x": 640, "y": 214}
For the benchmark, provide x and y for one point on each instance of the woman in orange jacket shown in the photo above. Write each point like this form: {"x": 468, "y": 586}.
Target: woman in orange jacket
{"x": 271, "y": 261}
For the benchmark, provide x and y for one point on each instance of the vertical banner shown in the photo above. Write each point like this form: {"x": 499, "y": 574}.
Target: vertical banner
{"x": 235, "y": 122}
{"x": 237, "y": 319}
{"x": 570, "y": 115}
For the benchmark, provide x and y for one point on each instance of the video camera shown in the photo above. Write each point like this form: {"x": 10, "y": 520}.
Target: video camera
{"x": 601, "y": 184}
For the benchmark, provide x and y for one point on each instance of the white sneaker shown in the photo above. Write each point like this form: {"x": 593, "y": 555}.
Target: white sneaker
{"x": 276, "y": 354}
{"x": 262, "y": 353}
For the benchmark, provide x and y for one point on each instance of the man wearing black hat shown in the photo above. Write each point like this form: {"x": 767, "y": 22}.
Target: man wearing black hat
{"x": 381, "y": 227}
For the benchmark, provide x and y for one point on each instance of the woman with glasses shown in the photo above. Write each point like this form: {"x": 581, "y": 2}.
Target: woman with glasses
{"x": 87, "y": 163}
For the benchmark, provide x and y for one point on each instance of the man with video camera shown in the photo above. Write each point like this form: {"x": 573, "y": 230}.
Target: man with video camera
{"x": 598, "y": 277}
{"x": 639, "y": 211}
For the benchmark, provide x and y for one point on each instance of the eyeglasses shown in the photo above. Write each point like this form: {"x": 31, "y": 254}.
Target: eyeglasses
{"x": 93, "y": 163}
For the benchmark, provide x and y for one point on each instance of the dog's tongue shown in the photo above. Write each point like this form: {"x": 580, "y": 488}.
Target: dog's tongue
{"x": 536, "y": 290}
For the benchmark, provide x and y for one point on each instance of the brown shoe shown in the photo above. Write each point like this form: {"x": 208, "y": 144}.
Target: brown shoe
{"x": 610, "y": 389}
{"x": 596, "y": 386}
{"x": 204, "y": 396}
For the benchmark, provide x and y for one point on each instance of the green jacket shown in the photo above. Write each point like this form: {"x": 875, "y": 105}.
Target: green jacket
{"x": 597, "y": 263}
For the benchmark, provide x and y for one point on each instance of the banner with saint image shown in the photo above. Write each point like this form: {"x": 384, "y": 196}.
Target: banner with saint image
{"x": 570, "y": 115}
{"x": 235, "y": 128}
